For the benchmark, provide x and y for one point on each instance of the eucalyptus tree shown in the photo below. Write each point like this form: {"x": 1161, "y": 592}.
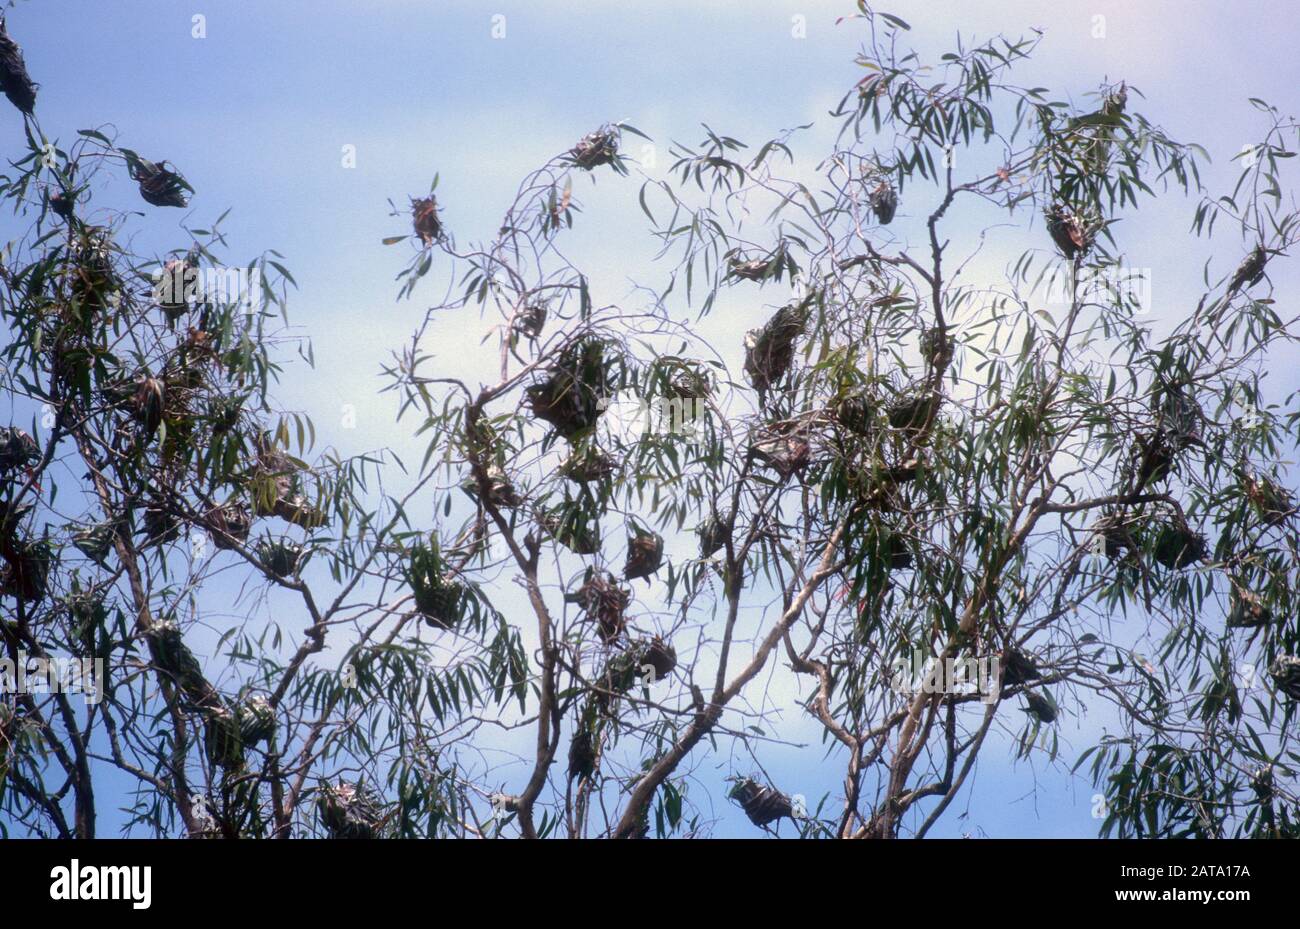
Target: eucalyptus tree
{"x": 627, "y": 554}
{"x": 200, "y": 634}
{"x": 1011, "y": 475}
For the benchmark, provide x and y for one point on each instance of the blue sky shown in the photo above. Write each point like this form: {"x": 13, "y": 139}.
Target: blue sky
{"x": 257, "y": 115}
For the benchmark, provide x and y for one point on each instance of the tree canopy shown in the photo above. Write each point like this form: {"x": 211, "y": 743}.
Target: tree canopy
{"x": 935, "y": 514}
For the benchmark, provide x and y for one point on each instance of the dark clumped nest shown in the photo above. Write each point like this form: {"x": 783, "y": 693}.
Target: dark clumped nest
{"x": 349, "y": 811}
{"x": 280, "y": 557}
{"x": 173, "y": 658}
{"x": 159, "y": 525}
{"x": 884, "y": 202}
{"x": 783, "y": 447}
{"x": 26, "y": 573}
{"x": 582, "y": 751}
{"x": 1018, "y": 668}
{"x": 229, "y": 524}
{"x": 1251, "y": 270}
{"x": 643, "y": 661}
{"x": 714, "y": 533}
{"x": 424, "y": 219}
{"x": 769, "y": 351}
{"x": 1041, "y": 707}
{"x": 440, "y": 598}
{"x": 596, "y": 149}
{"x": 17, "y": 450}
{"x": 160, "y": 184}
{"x": 645, "y": 553}
{"x": 763, "y": 805}
{"x": 573, "y": 394}
{"x": 1285, "y": 672}
{"x": 912, "y": 412}
{"x": 588, "y": 465}
{"x": 1177, "y": 546}
{"x": 16, "y": 83}
{"x": 1069, "y": 231}
{"x": 574, "y": 528}
{"x": 604, "y": 601}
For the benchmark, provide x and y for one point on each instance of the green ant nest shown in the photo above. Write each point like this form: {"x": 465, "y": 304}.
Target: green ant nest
{"x": 349, "y": 811}
{"x": 1178, "y": 547}
{"x": 160, "y": 525}
{"x": 769, "y": 351}
{"x": 750, "y": 269}
{"x": 1285, "y": 672}
{"x": 645, "y": 553}
{"x": 912, "y": 413}
{"x": 1247, "y": 610}
{"x": 596, "y": 148}
{"x": 856, "y": 413}
{"x": 174, "y": 659}
{"x": 714, "y": 533}
{"x": 782, "y": 448}
{"x": 230, "y": 525}
{"x": 160, "y": 184}
{"x": 439, "y": 597}
{"x": 16, "y": 83}
{"x": 605, "y": 601}
{"x": 763, "y": 805}
{"x": 26, "y": 574}
{"x": 1069, "y": 231}
{"x": 574, "y": 530}
{"x": 1040, "y": 707}
{"x": 17, "y": 450}
{"x": 424, "y": 219}
{"x": 279, "y": 556}
{"x": 588, "y": 466}
{"x": 570, "y": 397}
{"x": 884, "y": 202}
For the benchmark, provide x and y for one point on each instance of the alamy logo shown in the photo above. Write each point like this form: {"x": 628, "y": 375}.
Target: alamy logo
{"x": 1116, "y": 285}
{"x": 926, "y": 674}
{"x": 104, "y": 882}
{"x": 630, "y": 417}
{"x": 179, "y": 283}
{"x": 40, "y": 675}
